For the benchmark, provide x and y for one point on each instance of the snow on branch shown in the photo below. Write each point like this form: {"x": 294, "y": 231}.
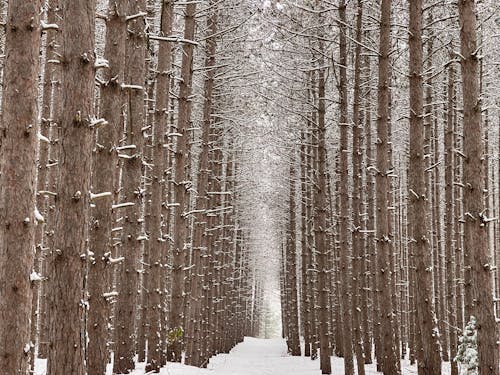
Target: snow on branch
{"x": 123, "y": 205}
{"x": 101, "y": 63}
{"x": 134, "y": 16}
{"x": 48, "y": 26}
{"x": 100, "y": 195}
{"x": 173, "y": 39}
{"x": 97, "y": 122}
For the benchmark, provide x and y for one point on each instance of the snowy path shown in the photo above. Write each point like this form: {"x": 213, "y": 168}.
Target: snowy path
{"x": 257, "y": 357}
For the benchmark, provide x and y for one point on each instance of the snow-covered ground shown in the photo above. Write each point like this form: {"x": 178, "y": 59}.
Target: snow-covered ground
{"x": 257, "y": 357}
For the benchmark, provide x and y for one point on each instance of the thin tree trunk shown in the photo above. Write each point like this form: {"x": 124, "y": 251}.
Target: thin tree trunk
{"x": 158, "y": 239}
{"x": 105, "y": 162}
{"x": 451, "y": 289}
{"x": 131, "y": 152}
{"x": 291, "y": 272}
{"x": 357, "y": 205}
{"x": 429, "y": 360}
{"x": 181, "y": 188}
{"x": 345, "y": 251}
{"x": 390, "y": 359}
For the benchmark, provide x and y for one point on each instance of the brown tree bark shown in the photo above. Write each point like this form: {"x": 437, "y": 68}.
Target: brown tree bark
{"x": 181, "y": 187}
{"x": 46, "y": 150}
{"x": 478, "y": 267}
{"x": 131, "y": 193}
{"x": 18, "y": 141}
{"x": 345, "y": 251}
{"x": 158, "y": 240}
{"x": 200, "y": 237}
{"x": 428, "y": 357}
{"x": 105, "y": 163}
{"x": 320, "y": 230}
{"x": 390, "y": 359}
{"x": 293, "y": 341}
{"x": 357, "y": 206}
{"x": 451, "y": 288}
{"x": 67, "y": 304}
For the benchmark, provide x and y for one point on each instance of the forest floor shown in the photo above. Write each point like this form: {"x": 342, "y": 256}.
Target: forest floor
{"x": 257, "y": 357}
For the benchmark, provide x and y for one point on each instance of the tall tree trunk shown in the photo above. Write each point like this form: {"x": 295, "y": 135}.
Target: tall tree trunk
{"x": 390, "y": 359}
{"x": 181, "y": 188}
{"x": 67, "y": 304}
{"x": 478, "y": 267}
{"x": 131, "y": 194}
{"x": 345, "y": 251}
{"x": 320, "y": 231}
{"x": 159, "y": 189}
{"x": 105, "y": 163}
{"x": 291, "y": 271}
{"x": 357, "y": 205}
{"x": 18, "y": 214}
{"x": 200, "y": 237}
{"x": 429, "y": 360}
{"x": 451, "y": 289}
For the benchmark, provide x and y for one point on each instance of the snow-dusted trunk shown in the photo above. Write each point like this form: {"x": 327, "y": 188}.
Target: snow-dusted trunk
{"x": 451, "y": 289}
{"x": 18, "y": 216}
{"x": 181, "y": 187}
{"x": 304, "y": 302}
{"x": 46, "y": 151}
{"x": 320, "y": 228}
{"x": 158, "y": 240}
{"x": 429, "y": 360}
{"x": 369, "y": 334}
{"x": 390, "y": 360}
{"x": 200, "y": 237}
{"x": 67, "y": 304}
{"x": 291, "y": 271}
{"x": 357, "y": 206}
{"x": 345, "y": 249}
{"x": 105, "y": 163}
{"x": 478, "y": 267}
{"x": 131, "y": 192}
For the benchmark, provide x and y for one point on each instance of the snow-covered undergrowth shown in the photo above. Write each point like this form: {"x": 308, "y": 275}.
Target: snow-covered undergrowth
{"x": 257, "y": 357}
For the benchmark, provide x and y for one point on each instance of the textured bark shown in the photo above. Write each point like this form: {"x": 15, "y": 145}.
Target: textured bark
{"x": 181, "y": 187}
{"x": 370, "y": 225}
{"x": 291, "y": 273}
{"x": 390, "y": 360}
{"x": 158, "y": 240}
{"x": 46, "y": 149}
{"x": 320, "y": 232}
{"x": 451, "y": 288}
{"x": 67, "y": 303}
{"x": 345, "y": 250}
{"x": 105, "y": 163}
{"x": 18, "y": 140}
{"x": 194, "y": 335}
{"x": 477, "y": 255}
{"x": 132, "y": 236}
{"x": 304, "y": 197}
{"x": 428, "y": 357}
{"x": 357, "y": 209}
